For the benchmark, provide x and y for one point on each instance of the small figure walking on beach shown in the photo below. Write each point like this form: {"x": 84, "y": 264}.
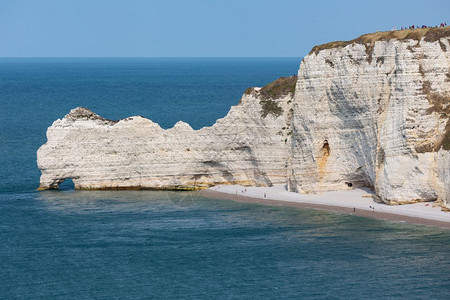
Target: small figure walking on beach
{"x": 264, "y": 195}
{"x": 354, "y": 209}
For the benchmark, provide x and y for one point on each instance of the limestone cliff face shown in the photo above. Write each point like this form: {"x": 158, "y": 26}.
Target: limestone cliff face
{"x": 443, "y": 175}
{"x": 374, "y": 114}
{"x": 249, "y": 146}
{"x": 370, "y": 112}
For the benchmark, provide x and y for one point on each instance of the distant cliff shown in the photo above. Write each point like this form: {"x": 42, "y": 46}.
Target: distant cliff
{"x": 370, "y": 112}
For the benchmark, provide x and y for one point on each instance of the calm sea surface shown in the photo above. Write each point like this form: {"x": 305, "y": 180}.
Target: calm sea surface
{"x": 143, "y": 244}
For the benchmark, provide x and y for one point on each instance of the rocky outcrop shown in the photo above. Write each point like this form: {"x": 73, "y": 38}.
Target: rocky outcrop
{"x": 249, "y": 146}
{"x": 374, "y": 112}
{"x": 370, "y": 112}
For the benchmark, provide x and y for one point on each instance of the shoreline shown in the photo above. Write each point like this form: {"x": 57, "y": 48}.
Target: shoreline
{"x": 357, "y": 202}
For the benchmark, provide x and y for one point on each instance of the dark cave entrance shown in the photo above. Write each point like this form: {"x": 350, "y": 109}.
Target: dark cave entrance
{"x": 326, "y": 148}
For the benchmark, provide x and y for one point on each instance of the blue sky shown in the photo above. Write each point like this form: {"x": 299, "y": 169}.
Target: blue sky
{"x": 199, "y": 28}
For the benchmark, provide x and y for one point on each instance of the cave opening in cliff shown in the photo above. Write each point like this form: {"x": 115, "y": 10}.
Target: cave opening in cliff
{"x": 66, "y": 185}
{"x": 326, "y": 148}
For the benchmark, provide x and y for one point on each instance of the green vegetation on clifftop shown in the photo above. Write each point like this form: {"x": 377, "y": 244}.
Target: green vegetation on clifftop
{"x": 283, "y": 86}
{"x": 278, "y": 88}
{"x": 368, "y": 40}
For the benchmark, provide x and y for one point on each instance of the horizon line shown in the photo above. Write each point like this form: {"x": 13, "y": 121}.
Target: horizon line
{"x": 150, "y": 57}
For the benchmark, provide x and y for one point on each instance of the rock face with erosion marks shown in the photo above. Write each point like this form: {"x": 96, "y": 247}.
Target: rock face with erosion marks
{"x": 372, "y": 112}
{"x": 249, "y": 147}
{"x": 375, "y": 112}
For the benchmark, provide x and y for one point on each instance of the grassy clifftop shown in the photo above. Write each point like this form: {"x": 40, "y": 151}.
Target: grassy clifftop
{"x": 270, "y": 94}
{"x": 278, "y": 88}
{"x": 430, "y": 35}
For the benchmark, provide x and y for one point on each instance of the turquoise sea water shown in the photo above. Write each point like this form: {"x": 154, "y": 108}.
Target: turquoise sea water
{"x": 141, "y": 244}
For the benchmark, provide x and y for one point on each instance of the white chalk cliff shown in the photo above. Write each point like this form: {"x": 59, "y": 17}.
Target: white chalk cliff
{"x": 249, "y": 147}
{"x": 370, "y": 112}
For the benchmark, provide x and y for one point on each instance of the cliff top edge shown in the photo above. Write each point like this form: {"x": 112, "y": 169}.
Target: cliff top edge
{"x": 429, "y": 34}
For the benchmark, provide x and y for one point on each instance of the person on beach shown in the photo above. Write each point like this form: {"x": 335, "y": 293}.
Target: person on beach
{"x": 264, "y": 195}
